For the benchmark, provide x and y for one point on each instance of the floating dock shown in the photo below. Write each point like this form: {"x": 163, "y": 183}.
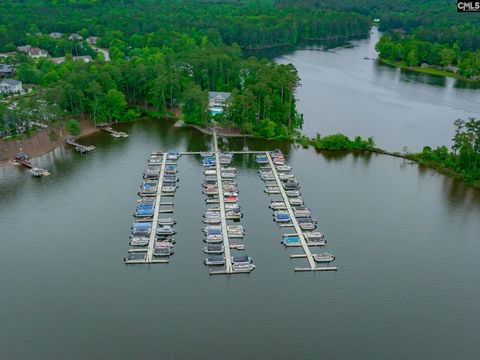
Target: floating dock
{"x": 79, "y": 147}
{"x": 306, "y": 249}
{"x": 226, "y": 242}
{"x": 34, "y": 171}
{"x": 146, "y": 255}
{"x": 114, "y": 133}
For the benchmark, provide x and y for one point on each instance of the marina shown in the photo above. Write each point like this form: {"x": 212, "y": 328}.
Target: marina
{"x": 152, "y": 235}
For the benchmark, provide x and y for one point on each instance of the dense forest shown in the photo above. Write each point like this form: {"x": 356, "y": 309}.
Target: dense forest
{"x": 250, "y": 24}
{"x": 164, "y": 56}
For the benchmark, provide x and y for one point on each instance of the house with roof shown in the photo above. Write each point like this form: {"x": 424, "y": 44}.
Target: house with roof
{"x": 7, "y": 70}
{"x": 38, "y": 53}
{"x": 24, "y": 49}
{"x": 216, "y": 101}
{"x": 61, "y": 60}
{"x": 75, "y": 37}
{"x": 56, "y": 35}
{"x": 92, "y": 40}
{"x": 10, "y": 86}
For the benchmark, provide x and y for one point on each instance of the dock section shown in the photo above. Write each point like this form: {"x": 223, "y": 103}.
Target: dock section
{"x": 294, "y": 223}
{"x": 78, "y": 147}
{"x": 226, "y": 242}
{"x": 158, "y": 199}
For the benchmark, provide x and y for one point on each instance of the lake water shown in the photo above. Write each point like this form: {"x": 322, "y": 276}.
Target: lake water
{"x": 343, "y": 92}
{"x": 406, "y": 241}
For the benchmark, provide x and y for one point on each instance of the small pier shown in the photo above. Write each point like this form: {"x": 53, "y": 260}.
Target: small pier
{"x": 22, "y": 159}
{"x": 82, "y": 149}
{"x": 111, "y": 131}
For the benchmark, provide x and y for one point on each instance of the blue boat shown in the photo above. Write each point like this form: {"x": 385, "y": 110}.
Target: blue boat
{"x": 209, "y": 161}
{"x": 144, "y": 210}
{"x": 291, "y": 240}
{"x": 261, "y": 159}
{"x": 281, "y": 216}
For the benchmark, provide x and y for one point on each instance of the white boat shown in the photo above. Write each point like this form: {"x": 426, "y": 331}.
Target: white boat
{"x": 285, "y": 176}
{"x": 243, "y": 267}
{"x": 169, "y": 189}
{"x": 139, "y": 241}
{"x": 301, "y": 211}
{"x": 296, "y": 201}
{"x": 214, "y": 260}
{"x": 272, "y": 190}
{"x": 315, "y": 238}
{"x": 228, "y": 174}
{"x": 210, "y": 172}
{"x": 277, "y": 205}
{"x": 230, "y": 193}
{"x": 292, "y": 193}
{"x": 213, "y": 249}
{"x": 284, "y": 168}
{"x": 324, "y": 257}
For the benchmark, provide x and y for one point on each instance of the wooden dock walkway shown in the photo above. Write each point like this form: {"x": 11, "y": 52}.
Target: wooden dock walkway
{"x": 153, "y": 234}
{"x": 79, "y": 147}
{"x": 298, "y": 230}
{"x": 226, "y": 242}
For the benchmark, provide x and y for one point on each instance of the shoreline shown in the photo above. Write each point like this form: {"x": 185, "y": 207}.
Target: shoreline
{"x": 91, "y": 129}
{"x": 41, "y": 143}
{"x": 427, "y": 70}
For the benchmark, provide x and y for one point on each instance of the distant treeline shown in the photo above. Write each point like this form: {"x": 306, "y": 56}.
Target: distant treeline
{"x": 255, "y": 24}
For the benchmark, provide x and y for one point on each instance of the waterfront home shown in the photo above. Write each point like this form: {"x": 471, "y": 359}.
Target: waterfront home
{"x": 216, "y": 101}
{"x": 60, "y": 60}
{"x": 92, "y": 40}
{"x": 7, "y": 70}
{"x": 75, "y": 37}
{"x": 24, "y": 49}
{"x": 10, "y": 86}
{"x": 56, "y": 35}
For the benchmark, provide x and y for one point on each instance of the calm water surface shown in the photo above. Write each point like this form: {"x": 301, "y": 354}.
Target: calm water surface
{"x": 343, "y": 92}
{"x": 406, "y": 239}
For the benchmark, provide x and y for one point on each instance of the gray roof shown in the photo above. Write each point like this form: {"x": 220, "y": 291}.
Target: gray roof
{"x": 5, "y": 68}
{"x": 215, "y": 94}
{"x": 11, "y": 82}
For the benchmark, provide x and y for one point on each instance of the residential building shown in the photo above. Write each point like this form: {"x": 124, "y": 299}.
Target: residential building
{"x": 10, "y": 86}
{"x": 76, "y": 37}
{"x": 7, "y": 70}
{"x": 56, "y": 35}
{"x": 61, "y": 60}
{"x": 24, "y": 49}
{"x": 216, "y": 101}
{"x": 92, "y": 40}
{"x": 38, "y": 53}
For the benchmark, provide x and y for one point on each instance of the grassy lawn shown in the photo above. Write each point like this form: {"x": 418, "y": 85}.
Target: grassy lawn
{"x": 431, "y": 71}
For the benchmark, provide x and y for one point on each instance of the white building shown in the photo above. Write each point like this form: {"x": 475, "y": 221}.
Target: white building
{"x": 61, "y": 60}
{"x": 38, "y": 53}
{"x": 56, "y": 35}
{"x": 75, "y": 37}
{"x": 216, "y": 101}
{"x": 10, "y": 86}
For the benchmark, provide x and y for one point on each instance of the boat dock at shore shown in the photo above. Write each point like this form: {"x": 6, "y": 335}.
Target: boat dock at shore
{"x": 78, "y": 147}
{"x": 148, "y": 245}
{"x": 222, "y": 208}
{"x": 293, "y": 219}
